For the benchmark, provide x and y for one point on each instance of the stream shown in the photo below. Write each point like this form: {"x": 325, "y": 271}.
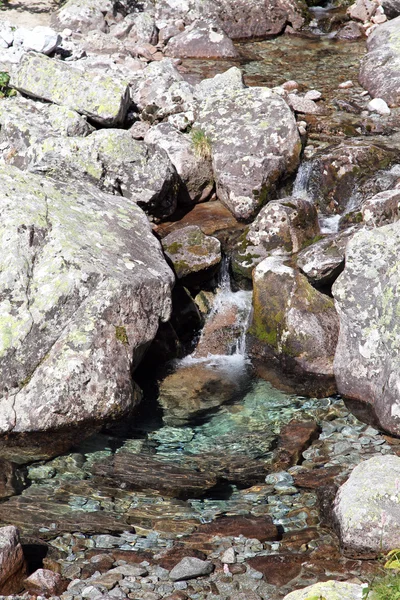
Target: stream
{"x": 237, "y": 442}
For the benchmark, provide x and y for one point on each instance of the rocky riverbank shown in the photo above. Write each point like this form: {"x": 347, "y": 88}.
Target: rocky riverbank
{"x": 141, "y": 144}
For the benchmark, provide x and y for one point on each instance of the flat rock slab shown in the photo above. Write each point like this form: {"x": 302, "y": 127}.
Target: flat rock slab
{"x": 101, "y": 98}
{"x": 140, "y": 472}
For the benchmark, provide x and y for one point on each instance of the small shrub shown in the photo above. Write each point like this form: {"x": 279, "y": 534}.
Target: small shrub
{"x": 201, "y": 143}
{"x": 5, "y": 90}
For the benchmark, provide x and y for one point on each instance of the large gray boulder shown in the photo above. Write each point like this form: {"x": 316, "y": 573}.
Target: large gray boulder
{"x": 367, "y": 363}
{"x": 253, "y": 141}
{"x": 380, "y": 68}
{"x": 194, "y": 170}
{"x": 294, "y": 328}
{"x": 83, "y": 286}
{"x": 103, "y": 99}
{"x": 367, "y": 508}
{"x": 115, "y": 162}
{"x": 281, "y": 227}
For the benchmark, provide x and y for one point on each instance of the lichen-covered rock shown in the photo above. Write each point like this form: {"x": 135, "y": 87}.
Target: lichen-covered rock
{"x": 367, "y": 507}
{"x": 83, "y": 286}
{"x": 330, "y": 590}
{"x": 12, "y": 562}
{"x": 25, "y": 122}
{"x": 380, "y": 68}
{"x": 243, "y": 19}
{"x": 254, "y": 142}
{"x": 101, "y": 98}
{"x": 293, "y": 326}
{"x": 194, "y": 170}
{"x": 382, "y": 209}
{"x": 160, "y": 91}
{"x": 344, "y": 175}
{"x": 192, "y": 253}
{"x": 202, "y": 39}
{"x": 367, "y": 363}
{"x": 229, "y": 80}
{"x": 281, "y": 227}
{"x": 115, "y": 162}
{"x": 82, "y": 15}
{"x": 323, "y": 261}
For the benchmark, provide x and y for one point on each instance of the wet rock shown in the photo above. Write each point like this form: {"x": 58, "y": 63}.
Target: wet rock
{"x": 45, "y": 583}
{"x": 113, "y": 160}
{"x": 345, "y": 174}
{"x": 278, "y": 569}
{"x": 293, "y": 325}
{"x": 323, "y": 261}
{"x": 281, "y": 227}
{"x": 340, "y": 590}
{"x": 190, "y": 568}
{"x": 194, "y": 170}
{"x": 12, "y": 562}
{"x": 379, "y": 71}
{"x": 294, "y": 438}
{"x": 100, "y": 97}
{"x": 202, "y": 39}
{"x": 382, "y": 209}
{"x": 316, "y": 478}
{"x": 140, "y": 472}
{"x": 81, "y": 15}
{"x": 71, "y": 323}
{"x": 192, "y": 253}
{"x": 259, "y": 528}
{"x": 191, "y": 391}
{"x": 12, "y": 480}
{"x": 366, "y": 506}
{"x": 366, "y": 364}
{"x": 246, "y": 173}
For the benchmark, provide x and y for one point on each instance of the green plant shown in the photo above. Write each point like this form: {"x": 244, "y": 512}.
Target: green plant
{"x": 201, "y": 143}
{"x": 386, "y": 587}
{"x": 5, "y": 90}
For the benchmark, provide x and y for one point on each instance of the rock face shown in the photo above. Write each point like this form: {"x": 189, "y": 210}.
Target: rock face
{"x": 83, "y": 285}
{"x": 191, "y": 252}
{"x": 281, "y": 227}
{"x": 379, "y": 72}
{"x": 334, "y": 590}
{"x": 366, "y": 294}
{"x": 12, "y": 561}
{"x": 102, "y": 98}
{"x": 294, "y": 326}
{"x": 367, "y": 506}
{"x": 115, "y": 162}
{"x": 254, "y": 142}
{"x": 202, "y": 39}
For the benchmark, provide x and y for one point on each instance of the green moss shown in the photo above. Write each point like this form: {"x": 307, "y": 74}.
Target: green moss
{"x": 312, "y": 241}
{"x": 121, "y": 335}
{"x": 173, "y": 248}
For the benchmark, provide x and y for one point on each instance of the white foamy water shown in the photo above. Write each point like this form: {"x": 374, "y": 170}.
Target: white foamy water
{"x": 329, "y": 224}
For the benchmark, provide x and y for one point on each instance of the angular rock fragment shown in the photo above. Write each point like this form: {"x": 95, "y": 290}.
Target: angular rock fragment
{"x": 190, "y": 567}
{"x": 12, "y": 562}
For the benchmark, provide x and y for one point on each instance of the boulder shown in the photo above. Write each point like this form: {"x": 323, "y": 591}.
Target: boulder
{"x": 380, "y": 68}
{"x": 293, "y": 326}
{"x": 281, "y": 227}
{"x": 323, "y": 261}
{"x": 192, "y": 253}
{"x": 97, "y": 42}
{"x": 391, "y": 8}
{"x": 363, "y": 10}
{"x": 253, "y": 140}
{"x": 367, "y": 301}
{"x": 41, "y": 39}
{"x": 12, "y": 562}
{"x": 84, "y": 285}
{"x": 191, "y": 567}
{"x": 382, "y": 209}
{"x": 228, "y": 81}
{"x": 44, "y": 582}
{"x": 117, "y": 163}
{"x": 202, "y": 39}
{"x": 367, "y": 508}
{"x": 82, "y": 15}
{"x": 102, "y": 98}
{"x": 194, "y": 170}
{"x": 25, "y": 122}
{"x": 160, "y": 91}
{"x": 341, "y": 176}
{"x": 332, "y": 590}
